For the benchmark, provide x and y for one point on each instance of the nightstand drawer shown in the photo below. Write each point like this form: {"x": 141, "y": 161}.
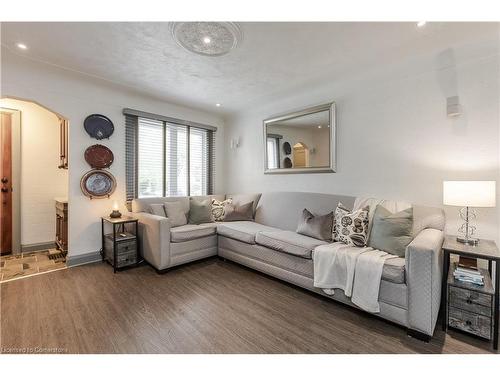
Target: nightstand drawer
{"x": 469, "y": 322}
{"x": 469, "y": 300}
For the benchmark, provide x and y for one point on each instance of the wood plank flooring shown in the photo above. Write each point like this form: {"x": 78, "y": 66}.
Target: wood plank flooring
{"x": 206, "y": 307}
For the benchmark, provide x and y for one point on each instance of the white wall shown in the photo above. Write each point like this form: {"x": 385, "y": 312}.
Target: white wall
{"x": 394, "y": 138}
{"x": 75, "y": 96}
{"x": 41, "y": 179}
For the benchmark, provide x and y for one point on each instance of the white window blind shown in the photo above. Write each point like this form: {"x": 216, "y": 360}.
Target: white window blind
{"x": 272, "y": 153}
{"x": 176, "y": 158}
{"x": 150, "y": 158}
{"x": 198, "y": 161}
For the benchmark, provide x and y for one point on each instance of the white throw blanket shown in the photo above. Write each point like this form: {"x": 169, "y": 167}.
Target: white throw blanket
{"x": 355, "y": 270}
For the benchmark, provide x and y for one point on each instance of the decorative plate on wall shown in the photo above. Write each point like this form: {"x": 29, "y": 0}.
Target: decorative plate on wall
{"x": 288, "y": 162}
{"x": 99, "y": 156}
{"x": 287, "y": 148}
{"x": 98, "y": 126}
{"x": 98, "y": 183}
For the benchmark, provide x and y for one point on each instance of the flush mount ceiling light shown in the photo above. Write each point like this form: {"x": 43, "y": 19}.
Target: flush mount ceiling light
{"x": 21, "y": 46}
{"x": 207, "y": 38}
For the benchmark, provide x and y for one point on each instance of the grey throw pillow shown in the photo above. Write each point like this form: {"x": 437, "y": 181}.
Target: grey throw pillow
{"x": 175, "y": 213}
{"x": 391, "y": 232}
{"x": 200, "y": 211}
{"x": 319, "y": 227}
{"x": 239, "y": 213}
{"x": 157, "y": 209}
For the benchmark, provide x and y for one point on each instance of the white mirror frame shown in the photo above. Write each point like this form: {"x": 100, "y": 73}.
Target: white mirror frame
{"x": 333, "y": 137}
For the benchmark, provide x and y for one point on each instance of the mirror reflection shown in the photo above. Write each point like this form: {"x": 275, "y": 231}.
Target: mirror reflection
{"x": 299, "y": 142}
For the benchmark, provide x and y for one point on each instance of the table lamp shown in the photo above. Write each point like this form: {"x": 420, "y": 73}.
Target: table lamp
{"x": 469, "y": 194}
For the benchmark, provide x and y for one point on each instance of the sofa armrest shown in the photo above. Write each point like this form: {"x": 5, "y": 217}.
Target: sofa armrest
{"x": 154, "y": 239}
{"x": 423, "y": 276}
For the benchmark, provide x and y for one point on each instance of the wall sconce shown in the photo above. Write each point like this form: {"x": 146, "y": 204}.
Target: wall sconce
{"x": 453, "y": 107}
{"x": 235, "y": 143}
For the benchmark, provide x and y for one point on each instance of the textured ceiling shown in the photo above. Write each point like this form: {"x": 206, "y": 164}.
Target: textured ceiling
{"x": 272, "y": 59}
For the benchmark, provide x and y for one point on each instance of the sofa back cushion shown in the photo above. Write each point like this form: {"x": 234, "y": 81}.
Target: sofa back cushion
{"x": 283, "y": 210}
{"x": 142, "y": 204}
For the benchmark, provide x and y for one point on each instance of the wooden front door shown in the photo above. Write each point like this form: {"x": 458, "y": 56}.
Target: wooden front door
{"x": 6, "y": 184}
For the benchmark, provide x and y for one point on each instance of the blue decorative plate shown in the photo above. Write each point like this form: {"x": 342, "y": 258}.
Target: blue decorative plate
{"x": 98, "y": 126}
{"x": 98, "y": 183}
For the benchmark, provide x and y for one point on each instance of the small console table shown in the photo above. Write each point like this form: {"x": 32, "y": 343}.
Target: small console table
{"x": 120, "y": 248}
{"x": 468, "y": 307}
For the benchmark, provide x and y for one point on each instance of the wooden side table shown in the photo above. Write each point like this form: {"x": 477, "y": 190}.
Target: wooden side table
{"x": 120, "y": 248}
{"x": 476, "y": 297}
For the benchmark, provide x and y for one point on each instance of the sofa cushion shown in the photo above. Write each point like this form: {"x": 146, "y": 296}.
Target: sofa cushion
{"x": 244, "y": 231}
{"x": 240, "y": 199}
{"x": 175, "y": 212}
{"x": 191, "y": 232}
{"x": 289, "y": 242}
{"x": 200, "y": 211}
{"x": 242, "y": 212}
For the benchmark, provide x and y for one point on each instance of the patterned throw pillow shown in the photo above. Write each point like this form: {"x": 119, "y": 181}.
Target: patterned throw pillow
{"x": 219, "y": 208}
{"x": 349, "y": 227}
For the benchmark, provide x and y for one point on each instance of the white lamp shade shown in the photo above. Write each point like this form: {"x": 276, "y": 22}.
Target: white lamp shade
{"x": 469, "y": 193}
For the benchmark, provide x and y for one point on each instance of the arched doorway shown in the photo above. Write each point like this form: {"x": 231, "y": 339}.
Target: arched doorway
{"x": 33, "y": 144}
{"x": 300, "y": 155}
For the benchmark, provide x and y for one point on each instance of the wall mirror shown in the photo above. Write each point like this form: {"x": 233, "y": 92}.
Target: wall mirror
{"x": 301, "y": 142}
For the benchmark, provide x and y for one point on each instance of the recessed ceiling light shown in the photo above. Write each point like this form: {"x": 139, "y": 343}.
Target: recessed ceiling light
{"x": 21, "y": 46}
{"x": 421, "y": 23}
{"x": 319, "y": 126}
{"x": 206, "y": 40}
{"x": 217, "y": 104}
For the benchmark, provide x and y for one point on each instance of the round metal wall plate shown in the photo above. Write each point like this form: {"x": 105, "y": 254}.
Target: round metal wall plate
{"x": 99, "y": 156}
{"x": 98, "y": 126}
{"x": 98, "y": 184}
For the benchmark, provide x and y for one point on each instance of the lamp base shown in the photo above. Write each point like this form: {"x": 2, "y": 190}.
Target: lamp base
{"x": 115, "y": 214}
{"x": 468, "y": 241}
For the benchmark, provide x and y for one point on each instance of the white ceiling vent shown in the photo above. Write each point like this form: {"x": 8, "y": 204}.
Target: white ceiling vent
{"x": 207, "y": 38}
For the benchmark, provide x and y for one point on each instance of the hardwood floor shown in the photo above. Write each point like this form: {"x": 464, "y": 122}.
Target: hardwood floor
{"x": 206, "y": 307}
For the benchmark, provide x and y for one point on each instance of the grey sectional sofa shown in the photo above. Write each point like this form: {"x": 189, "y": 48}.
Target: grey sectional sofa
{"x": 410, "y": 288}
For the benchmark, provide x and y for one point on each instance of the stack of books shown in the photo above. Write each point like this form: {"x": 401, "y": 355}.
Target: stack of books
{"x": 468, "y": 275}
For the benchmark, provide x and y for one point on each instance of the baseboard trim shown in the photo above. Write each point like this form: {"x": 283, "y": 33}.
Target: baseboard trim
{"x": 38, "y": 246}
{"x": 78, "y": 260}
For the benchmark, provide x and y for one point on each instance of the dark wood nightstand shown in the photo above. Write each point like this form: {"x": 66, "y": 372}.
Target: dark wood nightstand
{"x": 470, "y": 308}
{"x": 120, "y": 248}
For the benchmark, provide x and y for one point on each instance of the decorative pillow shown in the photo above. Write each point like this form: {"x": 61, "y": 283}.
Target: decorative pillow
{"x": 219, "y": 209}
{"x": 200, "y": 211}
{"x": 175, "y": 212}
{"x": 157, "y": 209}
{"x": 349, "y": 227}
{"x": 319, "y": 227}
{"x": 391, "y": 232}
{"x": 239, "y": 213}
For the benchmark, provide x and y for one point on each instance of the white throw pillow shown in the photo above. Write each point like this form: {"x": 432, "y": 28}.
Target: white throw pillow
{"x": 219, "y": 208}
{"x": 349, "y": 227}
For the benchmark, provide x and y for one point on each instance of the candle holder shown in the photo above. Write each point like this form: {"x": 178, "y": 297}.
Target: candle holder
{"x": 116, "y": 214}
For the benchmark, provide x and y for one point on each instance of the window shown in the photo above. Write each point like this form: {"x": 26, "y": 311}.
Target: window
{"x": 167, "y": 158}
{"x": 273, "y": 153}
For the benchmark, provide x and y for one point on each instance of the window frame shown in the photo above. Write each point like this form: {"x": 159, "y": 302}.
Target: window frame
{"x": 132, "y": 123}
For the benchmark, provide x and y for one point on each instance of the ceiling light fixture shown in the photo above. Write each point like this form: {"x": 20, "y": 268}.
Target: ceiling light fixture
{"x": 21, "y": 46}
{"x": 217, "y": 104}
{"x": 207, "y": 38}
{"x": 421, "y": 23}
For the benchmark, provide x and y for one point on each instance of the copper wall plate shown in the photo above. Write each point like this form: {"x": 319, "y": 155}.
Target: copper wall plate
{"x": 99, "y": 156}
{"x": 98, "y": 183}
